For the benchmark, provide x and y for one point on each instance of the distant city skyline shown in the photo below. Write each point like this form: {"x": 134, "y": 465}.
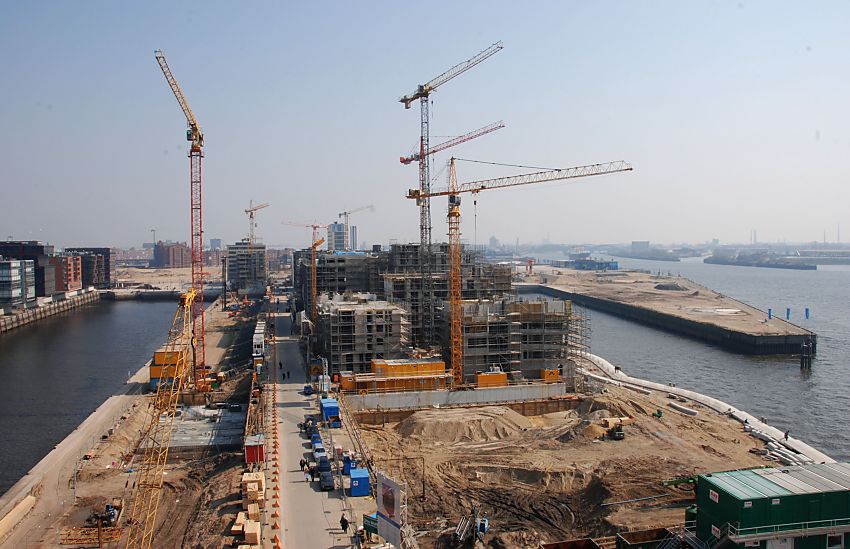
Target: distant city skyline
{"x": 732, "y": 115}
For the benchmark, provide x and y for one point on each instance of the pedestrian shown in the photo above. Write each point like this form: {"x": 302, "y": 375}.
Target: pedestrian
{"x": 313, "y": 472}
{"x": 343, "y": 523}
{"x": 301, "y": 464}
{"x": 288, "y": 375}
{"x": 280, "y": 365}
{"x": 786, "y": 434}
{"x": 306, "y": 477}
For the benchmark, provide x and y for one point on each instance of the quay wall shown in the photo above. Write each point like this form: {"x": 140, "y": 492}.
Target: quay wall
{"x": 617, "y": 376}
{"x": 725, "y": 338}
{"x": 49, "y": 307}
{"x": 151, "y": 295}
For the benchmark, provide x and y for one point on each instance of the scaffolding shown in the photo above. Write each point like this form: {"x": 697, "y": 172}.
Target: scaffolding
{"x": 521, "y": 337}
{"x": 355, "y": 328}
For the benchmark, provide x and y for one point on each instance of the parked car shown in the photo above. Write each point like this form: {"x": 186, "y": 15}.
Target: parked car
{"x": 324, "y": 465}
{"x": 319, "y": 453}
{"x": 326, "y": 480}
{"x": 308, "y": 390}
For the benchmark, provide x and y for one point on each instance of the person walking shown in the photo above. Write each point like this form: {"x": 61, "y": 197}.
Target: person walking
{"x": 786, "y": 434}
{"x": 306, "y": 476}
{"x": 301, "y": 464}
{"x": 343, "y": 523}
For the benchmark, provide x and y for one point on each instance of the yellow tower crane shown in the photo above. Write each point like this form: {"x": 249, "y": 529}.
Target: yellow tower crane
{"x": 315, "y": 243}
{"x": 160, "y": 423}
{"x": 453, "y": 217}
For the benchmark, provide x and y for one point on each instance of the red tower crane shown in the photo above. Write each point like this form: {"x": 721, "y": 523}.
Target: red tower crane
{"x": 455, "y": 141}
{"x": 196, "y": 137}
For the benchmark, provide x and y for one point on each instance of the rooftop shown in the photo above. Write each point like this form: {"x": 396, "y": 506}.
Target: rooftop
{"x": 752, "y": 484}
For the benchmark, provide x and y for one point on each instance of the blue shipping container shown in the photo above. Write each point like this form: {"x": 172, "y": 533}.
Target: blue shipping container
{"x": 359, "y": 482}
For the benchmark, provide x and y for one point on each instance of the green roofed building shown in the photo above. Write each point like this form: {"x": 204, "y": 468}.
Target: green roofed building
{"x": 793, "y": 507}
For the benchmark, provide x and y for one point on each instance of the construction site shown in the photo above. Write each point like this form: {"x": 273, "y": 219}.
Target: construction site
{"x": 424, "y": 400}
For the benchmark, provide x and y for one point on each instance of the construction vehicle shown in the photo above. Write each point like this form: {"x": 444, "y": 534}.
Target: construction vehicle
{"x": 196, "y": 155}
{"x": 349, "y": 245}
{"x": 453, "y": 193}
{"x": 470, "y": 527}
{"x": 422, "y": 93}
{"x": 616, "y": 433}
{"x": 159, "y": 425}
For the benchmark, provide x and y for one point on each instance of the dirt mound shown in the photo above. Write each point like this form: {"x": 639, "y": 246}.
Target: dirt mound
{"x": 469, "y": 425}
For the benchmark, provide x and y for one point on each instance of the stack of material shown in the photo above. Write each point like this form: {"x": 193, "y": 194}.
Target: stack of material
{"x": 238, "y": 525}
{"x": 252, "y": 532}
{"x": 253, "y": 491}
{"x": 253, "y": 511}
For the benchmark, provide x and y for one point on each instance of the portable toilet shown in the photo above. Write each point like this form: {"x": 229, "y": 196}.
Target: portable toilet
{"x": 359, "y": 482}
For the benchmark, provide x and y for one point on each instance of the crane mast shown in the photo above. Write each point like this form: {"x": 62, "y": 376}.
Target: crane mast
{"x": 251, "y": 211}
{"x": 453, "y": 218}
{"x": 159, "y": 426}
{"x": 349, "y": 245}
{"x": 196, "y": 155}
{"x": 422, "y": 93}
{"x": 313, "y": 307}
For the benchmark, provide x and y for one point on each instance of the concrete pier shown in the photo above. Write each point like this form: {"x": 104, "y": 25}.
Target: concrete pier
{"x": 680, "y": 306}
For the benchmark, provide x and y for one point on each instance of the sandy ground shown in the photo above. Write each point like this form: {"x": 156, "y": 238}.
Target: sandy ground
{"x": 545, "y": 477}
{"x": 163, "y": 279}
{"x": 196, "y": 493}
{"x": 668, "y": 294}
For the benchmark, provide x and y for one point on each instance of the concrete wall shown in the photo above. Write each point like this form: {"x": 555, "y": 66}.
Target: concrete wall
{"x": 58, "y": 304}
{"x": 430, "y": 399}
{"x": 728, "y": 339}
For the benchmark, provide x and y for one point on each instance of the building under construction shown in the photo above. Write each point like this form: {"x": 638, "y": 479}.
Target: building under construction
{"x": 338, "y": 272}
{"x": 354, "y": 329}
{"x": 246, "y": 268}
{"x": 520, "y": 338}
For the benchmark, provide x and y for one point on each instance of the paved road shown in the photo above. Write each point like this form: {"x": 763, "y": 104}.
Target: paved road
{"x": 310, "y": 516}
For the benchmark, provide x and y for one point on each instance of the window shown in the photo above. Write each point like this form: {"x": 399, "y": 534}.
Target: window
{"x": 835, "y": 541}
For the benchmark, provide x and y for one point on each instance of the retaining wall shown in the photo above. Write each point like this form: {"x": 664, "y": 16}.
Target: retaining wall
{"x": 58, "y": 304}
{"x": 730, "y": 340}
{"x": 432, "y": 399}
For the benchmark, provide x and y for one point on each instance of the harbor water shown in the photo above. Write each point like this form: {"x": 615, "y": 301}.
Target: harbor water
{"x": 813, "y": 404}
{"x": 57, "y": 371}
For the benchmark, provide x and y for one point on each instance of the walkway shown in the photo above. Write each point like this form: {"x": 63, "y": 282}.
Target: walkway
{"x": 309, "y": 517}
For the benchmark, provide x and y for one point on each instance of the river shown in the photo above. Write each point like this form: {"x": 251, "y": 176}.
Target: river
{"x": 813, "y": 405}
{"x": 55, "y": 372}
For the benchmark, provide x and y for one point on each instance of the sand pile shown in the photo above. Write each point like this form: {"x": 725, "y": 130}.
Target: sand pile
{"x": 468, "y": 425}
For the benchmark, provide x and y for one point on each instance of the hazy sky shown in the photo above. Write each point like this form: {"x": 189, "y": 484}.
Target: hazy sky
{"x": 734, "y": 115}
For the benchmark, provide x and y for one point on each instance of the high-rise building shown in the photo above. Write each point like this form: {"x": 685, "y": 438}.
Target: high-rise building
{"x": 215, "y": 243}
{"x": 337, "y": 237}
{"x": 17, "y": 282}
{"x": 246, "y": 267}
{"x": 352, "y": 237}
